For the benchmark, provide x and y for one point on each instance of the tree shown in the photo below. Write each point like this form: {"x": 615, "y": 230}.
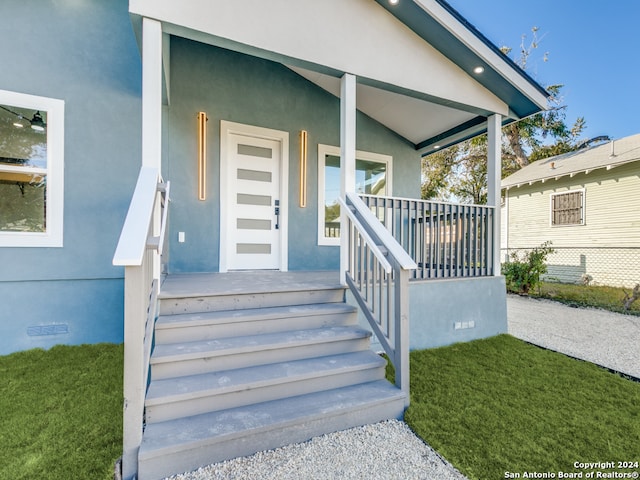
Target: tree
{"x": 529, "y": 135}
{"x": 436, "y": 173}
{"x": 460, "y": 171}
{"x": 472, "y": 176}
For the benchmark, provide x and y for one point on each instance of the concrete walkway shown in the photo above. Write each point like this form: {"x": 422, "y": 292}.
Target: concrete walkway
{"x": 608, "y": 339}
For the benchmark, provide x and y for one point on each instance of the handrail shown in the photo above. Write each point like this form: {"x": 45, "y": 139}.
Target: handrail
{"x": 157, "y": 243}
{"x": 378, "y": 276}
{"x": 408, "y": 199}
{"x": 139, "y": 251}
{"x": 134, "y": 234}
{"x": 403, "y": 258}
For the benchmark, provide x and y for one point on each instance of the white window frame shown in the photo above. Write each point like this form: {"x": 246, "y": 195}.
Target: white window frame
{"x": 583, "y": 207}
{"x": 323, "y": 151}
{"x": 53, "y": 236}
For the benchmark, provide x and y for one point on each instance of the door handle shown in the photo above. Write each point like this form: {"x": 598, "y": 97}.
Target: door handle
{"x": 277, "y": 212}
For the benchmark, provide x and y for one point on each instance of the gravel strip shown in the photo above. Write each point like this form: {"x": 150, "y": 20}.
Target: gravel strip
{"x": 605, "y": 338}
{"x": 384, "y": 451}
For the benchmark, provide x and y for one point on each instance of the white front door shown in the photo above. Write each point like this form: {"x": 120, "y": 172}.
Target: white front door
{"x": 253, "y": 206}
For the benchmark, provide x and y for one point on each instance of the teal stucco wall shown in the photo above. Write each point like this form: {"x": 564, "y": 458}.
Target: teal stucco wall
{"x": 244, "y": 89}
{"x": 447, "y": 311}
{"x": 82, "y": 52}
{"x": 87, "y": 56}
{"x": 443, "y": 312}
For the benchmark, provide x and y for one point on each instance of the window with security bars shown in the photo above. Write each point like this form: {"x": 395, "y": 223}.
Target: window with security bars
{"x": 567, "y": 208}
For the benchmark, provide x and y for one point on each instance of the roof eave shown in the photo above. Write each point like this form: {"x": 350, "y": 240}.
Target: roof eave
{"x": 442, "y": 26}
{"x": 572, "y": 173}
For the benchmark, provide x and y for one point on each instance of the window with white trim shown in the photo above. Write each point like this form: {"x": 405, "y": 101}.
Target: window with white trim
{"x": 567, "y": 208}
{"x": 31, "y": 170}
{"x": 373, "y": 177}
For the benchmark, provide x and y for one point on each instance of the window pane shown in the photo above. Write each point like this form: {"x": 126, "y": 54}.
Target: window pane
{"x": 370, "y": 179}
{"x": 23, "y": 137}
{"x": 331, "y": 195}
{"x": 22, "y": 205}
{"x": 23, "y": 164}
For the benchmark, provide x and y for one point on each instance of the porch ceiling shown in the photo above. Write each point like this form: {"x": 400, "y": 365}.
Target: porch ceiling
{"x": 413, "y": 118}
{"x": 414, "y": 60}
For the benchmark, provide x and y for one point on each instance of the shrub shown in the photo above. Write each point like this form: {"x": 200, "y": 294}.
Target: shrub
{"x": 523, "y": 273}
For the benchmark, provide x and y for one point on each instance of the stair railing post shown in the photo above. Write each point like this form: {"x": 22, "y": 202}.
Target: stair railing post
{"x": 135, "y": 307}
{"x": 402, "y": 330}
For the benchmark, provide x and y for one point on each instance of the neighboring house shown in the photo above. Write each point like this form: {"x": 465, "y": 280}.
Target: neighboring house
{"x": 257, "y": 120}
{"x": 586, "y": 203}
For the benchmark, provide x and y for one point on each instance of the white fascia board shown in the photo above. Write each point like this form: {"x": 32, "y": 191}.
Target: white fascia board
{"x": 507, "y": 71}
{"x": 358, "y": 37}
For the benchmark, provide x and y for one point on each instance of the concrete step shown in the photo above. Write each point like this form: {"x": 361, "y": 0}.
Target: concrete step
{"x": 193, "y": 358}
{"x": 187, "y": 396}
{"x": 191, "y": 327}
{"x": 198, "y": 303}
{"x": 185, "y": 444}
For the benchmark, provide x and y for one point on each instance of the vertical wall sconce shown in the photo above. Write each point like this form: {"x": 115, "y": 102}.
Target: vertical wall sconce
{"x": 202, "y": 156}
{"x": 303, "y": 168}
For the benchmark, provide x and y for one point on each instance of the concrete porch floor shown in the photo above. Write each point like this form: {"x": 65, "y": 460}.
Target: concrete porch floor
{"x": 247, "y": 282}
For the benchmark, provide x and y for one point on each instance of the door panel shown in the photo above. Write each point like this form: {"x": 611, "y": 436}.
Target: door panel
{"x": 253, "y": 189}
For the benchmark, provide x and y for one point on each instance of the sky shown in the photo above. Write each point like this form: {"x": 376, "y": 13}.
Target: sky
{"x": 593, "y": 50}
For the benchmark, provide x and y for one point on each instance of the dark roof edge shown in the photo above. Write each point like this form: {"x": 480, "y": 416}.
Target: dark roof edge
{"x": 491, "y": 45}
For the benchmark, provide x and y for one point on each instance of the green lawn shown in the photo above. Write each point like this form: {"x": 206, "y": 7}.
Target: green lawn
{"x": 608, "y": 298}
{"x": 61, "y": 413}
{"x": 490, "y": 406}
{"x": 501, "y": 405}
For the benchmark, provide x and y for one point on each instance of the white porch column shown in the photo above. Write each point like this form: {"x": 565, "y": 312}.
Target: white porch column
{"x": 135, "y": 280}
{"x": 347, "y": 158}
{"x": 494, "y": 173}
{"x": 151, "y": 93}
{"x": 152, "y": 71}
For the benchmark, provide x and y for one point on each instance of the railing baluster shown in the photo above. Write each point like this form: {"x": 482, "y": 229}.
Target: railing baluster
{"x": 470, "y": 241}
{"x": 389, "y": 309}
{"x": 465, "y": 232}
{"x": 457, "y": 262}
{"x": 422, "y": 240}
{"x": 449, "y": 224}
{"x": 483, "y": 242}
{"x": 476, "y": 231}
{"x": 439, "y": 241}
{"x": 433, "y": 242}
{"x": 402, "y": 234}
{"x": 490, "y": 261}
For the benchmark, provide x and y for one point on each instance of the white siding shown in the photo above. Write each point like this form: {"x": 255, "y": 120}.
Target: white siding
{"x": 605, "y": 247}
